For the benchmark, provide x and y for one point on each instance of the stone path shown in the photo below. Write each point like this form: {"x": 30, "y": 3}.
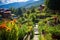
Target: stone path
{"x": 36, "y": 37}
{"x": 36, "y": 33}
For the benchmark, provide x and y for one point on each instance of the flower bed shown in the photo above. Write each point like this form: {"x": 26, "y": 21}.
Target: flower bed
{"x": 12, "y": 31}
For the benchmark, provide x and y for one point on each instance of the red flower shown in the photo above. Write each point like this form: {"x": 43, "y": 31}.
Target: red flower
{"x": 3, "y": 25}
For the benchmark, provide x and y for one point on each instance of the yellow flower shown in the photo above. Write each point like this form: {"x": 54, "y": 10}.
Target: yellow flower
{"x": 8, "y": 29}
{"x": 29, "y": 28}
{"x": 12, "y": 22}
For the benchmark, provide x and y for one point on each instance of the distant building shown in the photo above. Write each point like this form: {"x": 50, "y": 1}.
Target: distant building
{"x": 1, "y": 11}
{"x": 5, "y": 13}
{"x": 41, "y": 7}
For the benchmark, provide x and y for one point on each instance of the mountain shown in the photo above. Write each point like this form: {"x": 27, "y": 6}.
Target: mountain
{"x": 22, "y": 4}
{"x": 1, "y": 3}
{"x": 15, "y": 5}
{"x": 36, "y": 3}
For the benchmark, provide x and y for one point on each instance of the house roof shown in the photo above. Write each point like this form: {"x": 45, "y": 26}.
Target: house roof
{"x": 5, "y": 10}
{"x": 1, "y": 9}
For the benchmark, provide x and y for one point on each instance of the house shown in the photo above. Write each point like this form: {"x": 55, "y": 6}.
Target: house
{"x": 1, "y": 11}
{"x": 41, "y": 7}
{"x": 5, "y": 13}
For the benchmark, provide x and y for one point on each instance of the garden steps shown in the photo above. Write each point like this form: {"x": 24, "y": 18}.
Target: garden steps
{"x": 36, "y": 33}
{"x": 36, "y": 37}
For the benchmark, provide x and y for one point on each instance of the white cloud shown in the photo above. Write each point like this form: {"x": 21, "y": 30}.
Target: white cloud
{"x": 22, "y": 0}
{"x": 3, "y": 1}
{"x": 36, "y": 0}
{"x": 11, "y": 1}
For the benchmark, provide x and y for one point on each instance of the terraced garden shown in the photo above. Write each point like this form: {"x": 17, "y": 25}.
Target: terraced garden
{"x": 35, "y": 23}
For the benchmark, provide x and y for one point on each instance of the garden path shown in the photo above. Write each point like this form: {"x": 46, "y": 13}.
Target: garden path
{"x": 36, "y": 33}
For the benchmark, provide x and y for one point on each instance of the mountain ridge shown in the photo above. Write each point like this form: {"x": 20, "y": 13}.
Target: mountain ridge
{"x": 21, "y": 4}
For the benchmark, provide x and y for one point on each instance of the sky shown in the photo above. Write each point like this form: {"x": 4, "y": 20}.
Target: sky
{"x": 12, "y": 1}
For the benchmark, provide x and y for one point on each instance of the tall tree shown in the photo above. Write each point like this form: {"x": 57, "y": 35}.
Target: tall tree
{"x": 53, "y": 5}
{"x": 32, "y": 9}
{"x": 24, "y": 10}
{"x": 19, "y": 11}
{"x": 13, "y": 10}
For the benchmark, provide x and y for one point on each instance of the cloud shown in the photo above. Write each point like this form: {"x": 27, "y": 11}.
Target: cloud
{"x": 3, "y": 1}
{"x": 22, "y": 0}
{"x": 36, "y": 0}
{"x": 11, "y": 1}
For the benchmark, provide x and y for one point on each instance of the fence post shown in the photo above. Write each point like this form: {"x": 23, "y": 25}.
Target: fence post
{"x": 27, "y": 37}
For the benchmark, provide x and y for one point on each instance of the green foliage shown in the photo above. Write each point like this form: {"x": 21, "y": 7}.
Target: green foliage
{"x": 22, "y": 32}
{"x": 13, "y": 34}
{"x": 9, "y": 34}
{"x": 0, "y": 21}
{"x": 32, "y": 9}
{"x": 49, "y": 30}
{"x": 13, "y": 10}
{"x": 17, "y": 11}
{"x": 53, "y": 4}
{"x": 2, "y": 34}
{"x": 24, "y": 10}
